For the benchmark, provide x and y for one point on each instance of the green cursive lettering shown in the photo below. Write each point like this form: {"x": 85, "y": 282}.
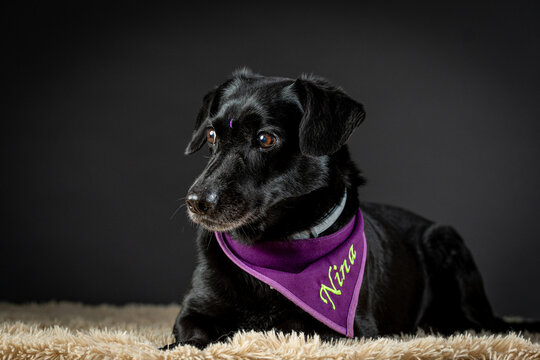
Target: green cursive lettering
{"x": 327, "y": 289}
{"x": 344, "y": 269}
{"x": 352, "y": 255}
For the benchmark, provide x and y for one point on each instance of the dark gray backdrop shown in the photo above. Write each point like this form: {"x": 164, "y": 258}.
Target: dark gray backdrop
{"x": 100, "y": 100}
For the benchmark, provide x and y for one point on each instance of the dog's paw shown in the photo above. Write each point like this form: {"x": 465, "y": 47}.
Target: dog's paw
{"x": 193, "y": 342}
{"x": 169, "y": 347}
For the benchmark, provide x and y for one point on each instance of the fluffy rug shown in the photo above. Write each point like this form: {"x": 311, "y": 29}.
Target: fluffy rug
{"x": 76, "y": 331}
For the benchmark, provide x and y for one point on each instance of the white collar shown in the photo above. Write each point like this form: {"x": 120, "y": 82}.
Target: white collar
{"x": 327, "y": 220}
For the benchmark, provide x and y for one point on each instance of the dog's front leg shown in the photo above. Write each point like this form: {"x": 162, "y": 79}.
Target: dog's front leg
{"x": 192, "y": 328}
{"x": 203, "y": 319}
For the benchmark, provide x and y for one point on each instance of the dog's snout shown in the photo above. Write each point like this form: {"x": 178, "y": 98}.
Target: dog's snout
{"x": 200, "y": 204}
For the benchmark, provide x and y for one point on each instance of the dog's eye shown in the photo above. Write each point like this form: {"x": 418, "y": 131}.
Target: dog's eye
{"x": 211, "y": 135}
{"x": 266, "y": 140}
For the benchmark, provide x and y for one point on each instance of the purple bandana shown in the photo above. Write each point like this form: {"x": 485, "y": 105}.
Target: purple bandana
{"x": 321, "y": 275}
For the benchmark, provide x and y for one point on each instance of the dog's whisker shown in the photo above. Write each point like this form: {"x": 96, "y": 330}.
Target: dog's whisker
{"x": 176, "y": 211}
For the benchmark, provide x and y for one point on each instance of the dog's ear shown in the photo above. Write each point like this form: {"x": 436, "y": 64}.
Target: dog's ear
{"x": 198, "y": 138}
{"x": 330, "y": 116}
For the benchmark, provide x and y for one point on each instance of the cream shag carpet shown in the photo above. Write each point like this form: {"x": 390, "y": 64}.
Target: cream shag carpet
{"x": 75, "y": 331}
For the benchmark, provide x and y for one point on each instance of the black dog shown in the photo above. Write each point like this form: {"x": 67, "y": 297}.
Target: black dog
{"x": 278, "y": 164}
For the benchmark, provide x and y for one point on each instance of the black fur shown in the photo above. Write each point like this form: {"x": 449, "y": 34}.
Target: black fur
{"x": 418, "y": 273}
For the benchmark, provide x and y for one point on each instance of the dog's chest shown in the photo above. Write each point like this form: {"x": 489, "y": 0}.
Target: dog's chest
{"x": 260, "y": 318}
{"x": 261, "y": 307}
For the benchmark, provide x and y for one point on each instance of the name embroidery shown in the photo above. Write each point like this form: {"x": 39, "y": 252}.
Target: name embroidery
{"x": 343, "y": 269}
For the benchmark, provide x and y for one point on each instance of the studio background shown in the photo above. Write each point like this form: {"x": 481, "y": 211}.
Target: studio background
{"x": 100, "y": 100}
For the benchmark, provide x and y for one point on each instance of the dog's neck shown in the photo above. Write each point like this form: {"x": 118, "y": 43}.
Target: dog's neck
{"x": 325, "y": 210}
{"x": 300, "y": 214}
{"x": 324, "y": 223}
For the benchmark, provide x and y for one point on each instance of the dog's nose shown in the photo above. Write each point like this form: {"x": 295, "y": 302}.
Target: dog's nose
{"x": 200, "y": 205}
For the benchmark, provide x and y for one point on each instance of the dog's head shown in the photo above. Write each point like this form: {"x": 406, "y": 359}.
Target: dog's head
{"x": 271, "y": 140}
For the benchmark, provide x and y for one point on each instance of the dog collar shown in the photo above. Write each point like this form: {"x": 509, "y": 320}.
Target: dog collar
{"x": 321, "y": 275}
{"x": 327, "y": 220}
